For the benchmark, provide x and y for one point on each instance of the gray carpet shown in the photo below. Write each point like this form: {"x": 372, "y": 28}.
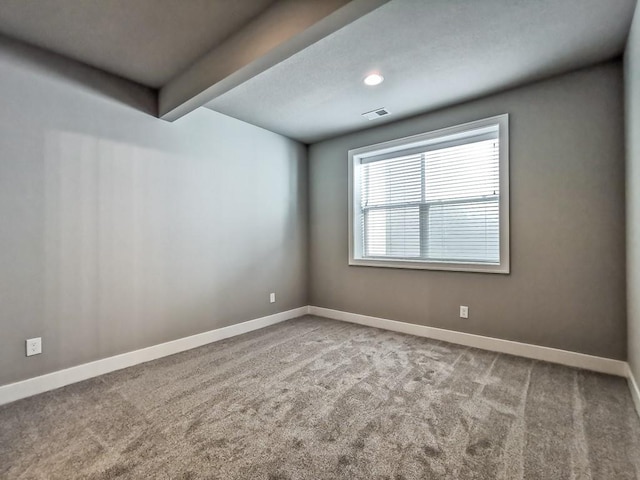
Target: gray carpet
{"x": 318, "y": 399}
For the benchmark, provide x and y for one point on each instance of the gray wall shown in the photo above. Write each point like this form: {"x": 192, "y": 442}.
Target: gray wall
{"x": 632, "y": 80}
{"x": 567, "y": 283}
{"x": 119, "y": 230}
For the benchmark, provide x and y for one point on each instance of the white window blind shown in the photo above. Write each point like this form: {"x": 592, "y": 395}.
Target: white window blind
{"x": 435, "y": 200}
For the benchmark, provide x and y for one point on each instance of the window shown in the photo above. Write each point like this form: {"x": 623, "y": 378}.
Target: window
{"x": 438, "y": 201}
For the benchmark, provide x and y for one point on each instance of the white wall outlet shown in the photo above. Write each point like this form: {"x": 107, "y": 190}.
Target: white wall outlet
{"x": 464, "y": 311}
{"x": 34, "y": 346}
{"x": 272, "y": 297}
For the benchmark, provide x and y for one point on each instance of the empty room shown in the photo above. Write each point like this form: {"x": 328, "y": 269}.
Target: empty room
{"x": 320, "y": 239}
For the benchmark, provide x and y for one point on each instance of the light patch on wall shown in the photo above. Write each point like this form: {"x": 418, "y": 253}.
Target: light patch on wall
{"x": 121, "y": 231}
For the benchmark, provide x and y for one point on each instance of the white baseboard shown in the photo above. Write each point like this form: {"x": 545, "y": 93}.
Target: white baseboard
{"x": 553, "y": 355}
{"x": 51, "y": 381}
{"x": 635, "y": 390}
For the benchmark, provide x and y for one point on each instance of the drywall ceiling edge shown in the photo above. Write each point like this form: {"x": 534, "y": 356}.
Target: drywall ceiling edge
{"x": 261, "y": 45}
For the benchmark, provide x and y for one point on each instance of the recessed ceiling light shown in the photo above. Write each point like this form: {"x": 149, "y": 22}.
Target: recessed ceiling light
{"x": 373, "y": 79}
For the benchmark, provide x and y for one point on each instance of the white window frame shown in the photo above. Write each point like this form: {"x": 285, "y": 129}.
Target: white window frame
{"x": 412, "y": 143}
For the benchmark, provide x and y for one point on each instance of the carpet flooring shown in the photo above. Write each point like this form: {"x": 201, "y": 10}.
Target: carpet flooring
{"x": 318, "y": 399}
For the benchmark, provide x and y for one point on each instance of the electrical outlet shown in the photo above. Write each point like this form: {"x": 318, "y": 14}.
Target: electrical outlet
{"x": 272, "y": 297}
{"x": 34, "y": 346}
{"x": 464, "y": 311}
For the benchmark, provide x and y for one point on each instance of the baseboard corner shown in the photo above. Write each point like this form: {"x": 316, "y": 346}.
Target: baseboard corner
{"x": 635, "y": 390}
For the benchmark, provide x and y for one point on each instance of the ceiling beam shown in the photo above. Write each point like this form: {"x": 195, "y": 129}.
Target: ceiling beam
{"x": 283, "y": 30}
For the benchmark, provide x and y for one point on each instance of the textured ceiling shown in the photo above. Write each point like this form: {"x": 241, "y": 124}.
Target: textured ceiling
{"x": 148, "y": 41}
{"x": 432, "y": 53}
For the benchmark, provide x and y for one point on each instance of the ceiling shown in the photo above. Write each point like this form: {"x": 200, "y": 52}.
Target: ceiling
{"x": 432, "y": 53}
{"x": 296, "y": 66}
{"x": 147, "y": 41}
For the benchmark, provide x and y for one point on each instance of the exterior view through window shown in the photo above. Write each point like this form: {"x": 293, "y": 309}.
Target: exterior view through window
{"x": 437, "y": 200}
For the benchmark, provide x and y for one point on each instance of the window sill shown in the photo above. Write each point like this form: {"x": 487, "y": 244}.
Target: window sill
{"x": 441, "y": 266}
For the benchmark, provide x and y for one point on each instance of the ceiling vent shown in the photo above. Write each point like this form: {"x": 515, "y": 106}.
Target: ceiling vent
{"x": 377, "y": 113}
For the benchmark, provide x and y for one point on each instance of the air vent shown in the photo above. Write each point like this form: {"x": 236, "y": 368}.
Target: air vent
{"x": 377, "y": 113}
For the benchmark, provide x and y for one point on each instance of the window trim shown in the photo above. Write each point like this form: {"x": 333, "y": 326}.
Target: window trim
{"x": 357, "y": 155}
